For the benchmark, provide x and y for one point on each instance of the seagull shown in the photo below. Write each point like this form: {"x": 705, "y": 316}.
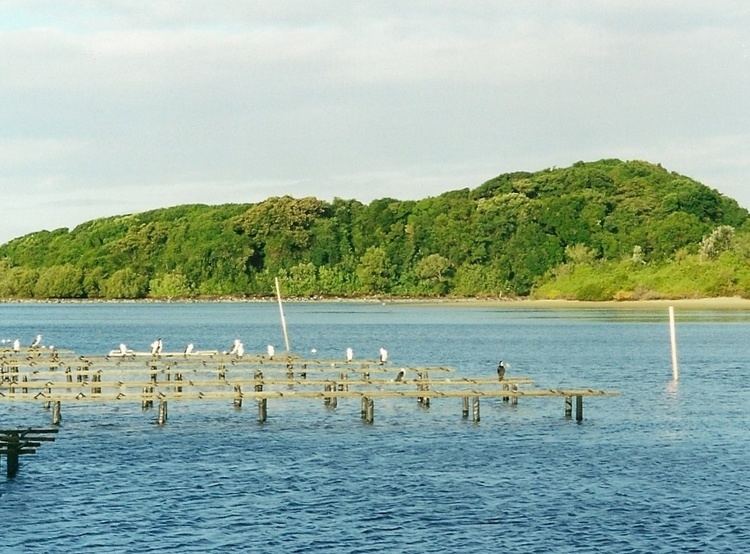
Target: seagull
{"x": 123, "y": 349}
{"x": 156, "y": 347}
{"x": 235, "y": 346}
{"x": 16, "y": 345}
{"x": 271, "y": 351}
{"x": 501, "y": 370}
{"x": 383, "y": 355}
{"x": 349, "y": 355}
{"x": 189, "y": 349}
{"x": 401, "y": 375}
{"x": 37, "y": 341}
{"x": 240, "y": 350}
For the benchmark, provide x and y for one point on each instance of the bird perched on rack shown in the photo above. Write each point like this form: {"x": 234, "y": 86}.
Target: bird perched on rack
{"x": 156, "y": 347}
{"x": 401, "y": 375}
{"x": 501, "y": 370}
{"x": 383, "y": 355}
{"x": 37, "y": 342}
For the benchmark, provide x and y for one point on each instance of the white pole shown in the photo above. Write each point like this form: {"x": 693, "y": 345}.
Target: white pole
{"x": 281, "y": 311}
{"x": 673, "y": 342}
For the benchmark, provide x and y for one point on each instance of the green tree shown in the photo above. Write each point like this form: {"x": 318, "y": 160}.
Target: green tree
{"x": 59, "y": 281}
{"x": 19, "y": 282}
{"x": 169, "y": 285}
{"x": 125, "y": 283}
{"x": 374, "y": 270}
{"x": 717, "y": 242}
{"x": 434, "y": 273}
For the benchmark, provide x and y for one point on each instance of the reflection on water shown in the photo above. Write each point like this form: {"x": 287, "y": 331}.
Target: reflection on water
{"x": 663, "y": 467}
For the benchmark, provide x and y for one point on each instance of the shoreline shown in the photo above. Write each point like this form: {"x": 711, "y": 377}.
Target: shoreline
{"x": 715, "y": 303}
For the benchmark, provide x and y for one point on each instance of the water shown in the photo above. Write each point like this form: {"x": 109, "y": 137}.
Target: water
{"x": 661, "y": 468}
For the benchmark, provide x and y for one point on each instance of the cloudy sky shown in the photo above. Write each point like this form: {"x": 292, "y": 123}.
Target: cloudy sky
{"x": 113, "y": 106}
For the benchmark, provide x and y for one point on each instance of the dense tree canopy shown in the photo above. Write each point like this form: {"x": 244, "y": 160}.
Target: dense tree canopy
{"x": 514, "y": 234}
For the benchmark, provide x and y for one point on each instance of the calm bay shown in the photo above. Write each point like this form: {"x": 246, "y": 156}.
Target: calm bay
{"x": 664, "y": 467}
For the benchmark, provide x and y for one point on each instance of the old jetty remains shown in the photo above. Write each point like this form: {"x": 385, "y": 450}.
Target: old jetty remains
{"x": 16, "y": 442}
{"x": 54, "y": 378}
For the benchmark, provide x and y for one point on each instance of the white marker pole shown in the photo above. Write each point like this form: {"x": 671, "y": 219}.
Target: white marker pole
{"x": 673, "y": 342}
{"x": 281, "y": 311}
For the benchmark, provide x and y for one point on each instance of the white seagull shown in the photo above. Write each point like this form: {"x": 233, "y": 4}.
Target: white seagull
{"x": 156, "y": 347}
{"x": 349, "y": 354}
{"x": 271, "y": 351}
{"x": 383, "y": 355}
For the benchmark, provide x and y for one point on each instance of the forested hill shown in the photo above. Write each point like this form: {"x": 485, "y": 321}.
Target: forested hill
{"x": 514, "y": 234}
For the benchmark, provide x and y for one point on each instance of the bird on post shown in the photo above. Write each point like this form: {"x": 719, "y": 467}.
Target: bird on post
{"x": 501, "y": 370}
{"x": 401, "y": 375}
{"x": 156, "y": 347}
{"x": 383, "y": 355}
{"x": 37, "y": 342}
{"x": 349, "y": 355}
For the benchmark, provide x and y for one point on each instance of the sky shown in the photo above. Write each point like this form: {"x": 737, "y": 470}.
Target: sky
{"x": 110, "y": 107}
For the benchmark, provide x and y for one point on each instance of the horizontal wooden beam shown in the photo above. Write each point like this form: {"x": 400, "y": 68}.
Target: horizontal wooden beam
{"x": 292, "y": 394}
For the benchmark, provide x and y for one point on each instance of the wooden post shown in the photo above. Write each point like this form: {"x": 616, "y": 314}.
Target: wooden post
{"x": 162, "y": 419}
{"x": 579, "y": 408}
{"x": 370, "y": 413}
{"x": 238, "y": 396}
{"x": 178, "y": 377}
{"x": 423, "y": 401}
{"x": 475, "y": 408}
{"x": 368, "y": 409}
{"x": 506, "y": 387}
{"x": 262, "y": 410}
{"x": 568, "y": 407}
{"x": 147, "y": 403}
{"x": 326, "y": 399}
{"x": 514, "y": 399}
{"x": 14, "y": 446}
{"x": 465, "y": 410}
{"x": 56, "y": 413}
{"x": 258, "y": 376}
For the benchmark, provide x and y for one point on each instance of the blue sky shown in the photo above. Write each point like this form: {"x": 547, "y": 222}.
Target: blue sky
{"x": 111, "y": 106}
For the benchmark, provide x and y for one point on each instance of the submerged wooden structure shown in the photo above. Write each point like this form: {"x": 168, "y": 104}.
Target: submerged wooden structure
{"x": 16, "y": 442}
{"x": 52, "y": 378}
{"x": 56, "y": 377}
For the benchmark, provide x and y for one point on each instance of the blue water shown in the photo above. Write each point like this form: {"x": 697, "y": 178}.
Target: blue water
{"x": 661, "y": 468}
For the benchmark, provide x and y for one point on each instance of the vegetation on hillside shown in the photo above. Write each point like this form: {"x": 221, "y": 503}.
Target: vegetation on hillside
{"x": 607, "y": 229}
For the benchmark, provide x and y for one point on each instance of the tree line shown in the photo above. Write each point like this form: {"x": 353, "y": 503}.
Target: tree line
{"x": 544, "y": 233}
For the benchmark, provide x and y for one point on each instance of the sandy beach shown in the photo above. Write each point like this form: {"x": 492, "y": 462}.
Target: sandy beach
{"x": 723, "y": 303}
